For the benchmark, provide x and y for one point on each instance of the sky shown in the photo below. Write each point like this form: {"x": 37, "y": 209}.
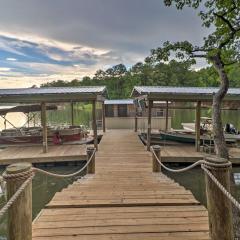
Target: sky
{"x": 47, "y": 40}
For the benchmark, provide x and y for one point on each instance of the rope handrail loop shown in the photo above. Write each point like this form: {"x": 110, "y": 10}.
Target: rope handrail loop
{"x": 15, "y": 196}
{"x": 66, "y": 175}
{"x": 205, "y": 165}
{"x": 221, "y": 187}
{"x": 198, "y": 163}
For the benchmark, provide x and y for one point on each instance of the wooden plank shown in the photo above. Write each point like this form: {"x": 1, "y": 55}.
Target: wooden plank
{"x": 123, "y": 200}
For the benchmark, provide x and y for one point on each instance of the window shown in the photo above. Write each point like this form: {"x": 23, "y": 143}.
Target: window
{"x": 122, "y": 110}
{"x": 160, "y": 113}
{"x": 109, "y": 112}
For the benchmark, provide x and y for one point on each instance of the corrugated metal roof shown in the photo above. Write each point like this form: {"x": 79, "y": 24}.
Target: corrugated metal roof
{"x": 52, "y": 90}
{"x": 183, "y": 93}
{"x": 52, "y": 94}
{"x": 118, "y": 101}
{"x": 182, "y": 90}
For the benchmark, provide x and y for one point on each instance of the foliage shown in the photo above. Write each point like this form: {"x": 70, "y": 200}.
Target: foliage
{"x": 164, "y": 74}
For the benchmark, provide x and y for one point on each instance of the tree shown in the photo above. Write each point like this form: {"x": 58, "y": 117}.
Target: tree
{"x": 220, "y": 48}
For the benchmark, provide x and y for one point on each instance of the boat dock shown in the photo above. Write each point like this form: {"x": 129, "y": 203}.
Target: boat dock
{"x": 34, "y": 154}
{"x": 122, "y": 200}
{"x": 186, "y": 153}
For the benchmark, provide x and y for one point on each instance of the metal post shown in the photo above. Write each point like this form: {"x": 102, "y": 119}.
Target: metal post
{"x": 150, "y": 103}
{"x": 218, "y": 205}
{"x": 94, "y": 125}
{"x": 20, "y": 213}
{"x": 91, "y": 166}
{"x": 156, "y": 167}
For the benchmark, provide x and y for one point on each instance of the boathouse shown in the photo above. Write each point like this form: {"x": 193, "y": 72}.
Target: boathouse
{"x": 198, "y": 96}
{"x": 56, "y": 95}
{"x": 121, "y": 114}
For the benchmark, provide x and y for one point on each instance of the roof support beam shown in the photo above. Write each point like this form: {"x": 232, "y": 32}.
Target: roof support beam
{"x": 44, "y": 127}
{"x": 94, "y": 125}
{"x": 72, "y": 113}
{"x": 150, "y": 104}
{"x": 166, "y": 121}
{"x": 103, "y": 118}
{"x": 197, "y": 125}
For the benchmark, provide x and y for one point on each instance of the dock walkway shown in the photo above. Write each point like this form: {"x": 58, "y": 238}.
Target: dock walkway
{"x": 123, "y": 200}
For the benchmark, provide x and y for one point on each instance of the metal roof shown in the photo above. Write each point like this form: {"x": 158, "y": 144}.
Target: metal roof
{"x": 52, "y": 94}
{"x": 182, "y": 93}
{"x": 118, "y": 101}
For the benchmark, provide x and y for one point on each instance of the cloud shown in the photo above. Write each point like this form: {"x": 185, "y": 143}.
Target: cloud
{"x": 11, "y": 59}
{"x": 68, "y": 39}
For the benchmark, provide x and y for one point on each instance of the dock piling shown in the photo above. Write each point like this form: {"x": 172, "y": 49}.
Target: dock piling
{"x": 20, "y": 213}
{"x": 156, "y": 167}
{"x": 219, "y": 206}
{"x": 91, "y": 166}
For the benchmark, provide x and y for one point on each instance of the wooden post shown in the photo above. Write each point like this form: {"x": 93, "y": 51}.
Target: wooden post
{"x": 94, "y": 125}
{"x": 150, "y": 103}
{"x": 166, "y": 126}
{"x": 5, "y": 124}
{"x": 197, "y": 126}
{"x": 72, "y": 113}
{"x": 156, "y": 167}
{"x": 218, "y": 205}
{"x": 136, "y": 123}
{"x": 44, "y": 126}
{"x": 103, "y": 118}
{"x": 91, "y": 166}
{"x": 20, "y": 213}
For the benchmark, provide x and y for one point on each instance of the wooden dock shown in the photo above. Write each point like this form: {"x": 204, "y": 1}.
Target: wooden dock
{"x": 186, "y": 153}
{"x": 34, "y": 154}
{"x": 123, "y": 200}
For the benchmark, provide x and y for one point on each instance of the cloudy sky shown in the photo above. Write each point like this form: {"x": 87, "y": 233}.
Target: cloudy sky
{"x": 48, "y": 40}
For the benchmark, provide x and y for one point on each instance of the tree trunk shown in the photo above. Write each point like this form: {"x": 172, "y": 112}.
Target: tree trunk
{"x": 219, "y": 140}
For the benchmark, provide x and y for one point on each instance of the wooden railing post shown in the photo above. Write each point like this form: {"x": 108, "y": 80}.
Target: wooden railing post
{"x": 156, "y": 167}
{"x": 91, "y": 166}
{"x": 20, "y": 213}
{"x": 219, "y": 206}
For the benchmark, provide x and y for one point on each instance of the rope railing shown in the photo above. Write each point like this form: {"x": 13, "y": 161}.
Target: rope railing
{"x": 30, "y": 175}
{"x": 66, "y": 175}
{"x": 15, "y": 196}
{"x": 204, "y": 165}
{"x": 198, "y": 163}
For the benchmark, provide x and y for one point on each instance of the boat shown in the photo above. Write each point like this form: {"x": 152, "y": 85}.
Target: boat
{"x": 33, "y": 135}
{"x": 206, "y": 126}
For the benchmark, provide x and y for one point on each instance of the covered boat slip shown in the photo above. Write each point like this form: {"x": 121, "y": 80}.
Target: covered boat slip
{"x": 195, "y": 95}
{"x": 43, "y": 98}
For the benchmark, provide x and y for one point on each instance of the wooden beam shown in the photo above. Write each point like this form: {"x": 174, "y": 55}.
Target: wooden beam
{"x": 136, "y": 120}
{"x": 197, "y": 125}
{"x": 150, "y": 104}
{"x": 20, "y": 213}
{"x": 94, "y": 124}
{"x": 44, "y": 126}
{"x": 72, "y": 113}
{"x": 166, "y": 126}
{"x": 103, "y": 117}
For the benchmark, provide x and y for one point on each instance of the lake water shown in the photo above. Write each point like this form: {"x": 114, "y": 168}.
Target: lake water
{"x": 45, "y": 187}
